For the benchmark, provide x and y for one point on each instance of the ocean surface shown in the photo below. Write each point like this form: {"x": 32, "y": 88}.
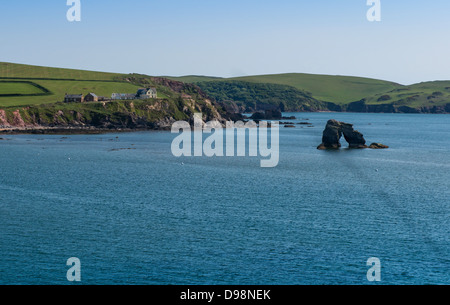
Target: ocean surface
{"x": 135, "y": 214}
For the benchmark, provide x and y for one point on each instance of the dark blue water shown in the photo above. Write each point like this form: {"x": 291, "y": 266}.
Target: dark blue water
{"x": 138, "y": 216}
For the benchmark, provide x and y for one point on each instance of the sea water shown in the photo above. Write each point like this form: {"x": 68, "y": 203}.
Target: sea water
{"x": 135, "y": 214}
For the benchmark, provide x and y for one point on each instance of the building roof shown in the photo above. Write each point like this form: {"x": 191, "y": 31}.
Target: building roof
{"x": 93, "y": 94}
{"x": 146, "y": 90}
{"x": 74, "y": 95}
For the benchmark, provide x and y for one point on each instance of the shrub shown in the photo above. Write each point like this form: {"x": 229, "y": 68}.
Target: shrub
{"x": 384, "y": 98}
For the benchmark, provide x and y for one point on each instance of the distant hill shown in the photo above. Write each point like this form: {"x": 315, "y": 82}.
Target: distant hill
{"x": 327, "y": 92}
{"x": 427, "y": 94}
{"x": 193, "y": 78}
{"x": 336, "y": 89}
{"x": 250, "y": 97}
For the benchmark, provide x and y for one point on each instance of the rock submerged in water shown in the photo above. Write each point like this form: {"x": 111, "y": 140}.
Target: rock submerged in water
{"x": 333, "y": 133}
{"x": 378, "y": 146}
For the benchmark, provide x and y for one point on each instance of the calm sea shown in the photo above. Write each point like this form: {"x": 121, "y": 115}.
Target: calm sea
{"x": 134, "y": 214}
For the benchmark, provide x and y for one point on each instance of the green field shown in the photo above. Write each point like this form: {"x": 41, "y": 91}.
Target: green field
{"x": 194, "y": 78}
{"x": 57, "y": 81}
{"x": 328, "y": 88}
{"x": 59, "y": 88}
{"x": 14, "y": 88}
{"x": 10, "y": 70}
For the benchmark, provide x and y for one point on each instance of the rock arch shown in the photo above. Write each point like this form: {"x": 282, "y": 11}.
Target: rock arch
{"x": 333, "y": 133}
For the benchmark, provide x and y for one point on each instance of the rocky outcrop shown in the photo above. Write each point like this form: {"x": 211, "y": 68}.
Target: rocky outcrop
{"x": 232, "y": 107}
{"x": 362, "y": 106}
{"x": 267, "y": 115}
{"x": 378, "y": 146}
{"x": 354, "y": 138}
{"x": 333, "y": 133}
{"x": 121, "y": 115}
{"x": 3, "y": 119}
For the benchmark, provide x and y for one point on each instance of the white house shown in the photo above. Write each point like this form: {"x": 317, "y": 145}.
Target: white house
{"x": 143, "y": 94}
{"x": 146, "y": 93}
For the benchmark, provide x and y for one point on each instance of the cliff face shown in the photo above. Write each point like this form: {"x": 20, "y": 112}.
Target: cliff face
{"x": 359, "y": 106}
{"x": 362, "y": 106}
{"x": 160, "y": 114}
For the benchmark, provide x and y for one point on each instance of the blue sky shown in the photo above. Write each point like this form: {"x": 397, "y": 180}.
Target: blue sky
{"x": 232, "y": 38}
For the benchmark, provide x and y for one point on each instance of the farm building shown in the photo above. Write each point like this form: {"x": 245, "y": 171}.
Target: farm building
{"x": 103, "y": 99}
{"x": 146, "y": 93}
{"x": 74, "y": 98}
{"x": 91, "y": 97}
{"x": 141, "y": 94}
{"x": 123, "y": 96}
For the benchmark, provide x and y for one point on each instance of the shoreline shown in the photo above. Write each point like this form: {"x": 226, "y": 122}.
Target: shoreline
{"x": 70, "y": 131}
{"x": 65, "y": 130}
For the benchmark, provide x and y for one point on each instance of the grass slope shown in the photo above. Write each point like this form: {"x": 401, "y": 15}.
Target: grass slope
{"x": 59, "y": 88}
{"x": 329, "y": 88}
{"x": 427, "y": 94}
{"x": 193, "y": 78}
{"x": 336, "y": 89}
{"x": 340, "y": 90}
{"x": 11, "y": 70}
{"x": 261, "y": 96}
{"x": 40, "y": 91}
{"x": 57, "y": 81}
{"x": 18, "y": 87}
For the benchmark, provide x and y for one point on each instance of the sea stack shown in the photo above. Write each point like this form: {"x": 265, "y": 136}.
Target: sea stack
{"x": 334, "y": 131}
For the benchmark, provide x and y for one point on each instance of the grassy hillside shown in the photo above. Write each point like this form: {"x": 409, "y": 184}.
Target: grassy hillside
{"x": 193, "y": 78}
{"x": 8, "y": 87}
{"x": 11, "y": 70}
{"x": 24, "y": 85}
{"x": 33, "y": 85}
{"x": 336, "y": 89}
{"x": 59, "y": 88}
{"x": 329, "y": 88}
{"x": 336, "y": 93}
{"x": 251, "y": 97}
{"x": 427, "y": 94}
{"x": 31, "y": 96}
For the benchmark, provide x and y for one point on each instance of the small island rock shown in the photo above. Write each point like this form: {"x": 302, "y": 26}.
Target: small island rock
{"x": 378, "y": 146}
{"x": 333, "y": 133}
